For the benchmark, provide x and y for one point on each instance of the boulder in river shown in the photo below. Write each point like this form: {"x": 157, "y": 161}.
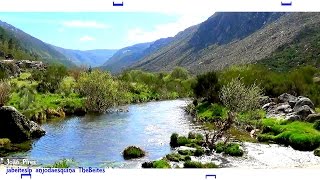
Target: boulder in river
{"x": 313, "y": 117}
{"x": 17, "y": 127}
{"x": 303, "y": 101}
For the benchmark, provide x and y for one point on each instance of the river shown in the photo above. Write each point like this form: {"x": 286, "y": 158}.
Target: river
{"x": 99, "y": 140}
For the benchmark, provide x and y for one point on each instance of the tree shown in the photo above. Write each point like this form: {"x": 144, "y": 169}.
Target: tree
{"x": 179, "y": 73}
{"x": 101, "y": 91}
{"x": 51, "y": 78}
{"x": 207, "y": 86}
{"x": 240, "y": 98}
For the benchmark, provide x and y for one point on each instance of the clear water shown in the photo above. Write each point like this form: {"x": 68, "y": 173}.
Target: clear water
{"x": 99, "y": 140}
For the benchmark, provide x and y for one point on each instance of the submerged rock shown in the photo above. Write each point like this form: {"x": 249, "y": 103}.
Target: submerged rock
{"x": 17, "y": 127}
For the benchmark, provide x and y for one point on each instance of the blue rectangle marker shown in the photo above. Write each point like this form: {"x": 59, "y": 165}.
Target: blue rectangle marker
{"x": 286, "y": 4}
{"x": 117, "y": 4}
{"x": 211, "y": 175}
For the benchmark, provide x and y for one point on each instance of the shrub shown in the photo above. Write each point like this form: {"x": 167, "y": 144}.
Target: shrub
{"x": 51, "y": 78}
{"x": 101, "y": 91}
{"x": 233, "y": 149}
{"x": 207, "y": 86}
{"x": 5, "y": 91}
{"x": 132, "y": 152}
{"x": 219, "y": 148}
{"x": 174, "y": 140}
{"x": 186, "y": 152}
{"x": 193, "y": 164}
{"x": 240, "y": 98}
{"x": 161, "y": 164}
{"x": 179, "y": 73}
{"x": 177, "y": 157}
{"x": 199, "y": 152}
{"x": 182, "y": 141}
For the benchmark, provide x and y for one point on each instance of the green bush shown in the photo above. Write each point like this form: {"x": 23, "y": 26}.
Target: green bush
{"x": 207, "y": 86}
{"x": 51, "y": 78}
{"x": 176, "y": 157}
{"x": 193, "y": 164}
{"x": 186, "y": 152}
{"x": 233, "y": 149}
{"x": 199, "y": 152}
{"x": 219, "y": 147}
{"x": 161, "y": 164}
{"x": 132, "y": 152}
{"x": 182, "y": 141}
{"x": 174, "y": 140}
{"x": 4, "y": 142}
{"x": 5, "y": 91}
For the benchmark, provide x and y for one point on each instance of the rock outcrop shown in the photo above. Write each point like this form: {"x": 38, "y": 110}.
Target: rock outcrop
{"x": 289, "y": 107}
{"x": 17, "y": 127}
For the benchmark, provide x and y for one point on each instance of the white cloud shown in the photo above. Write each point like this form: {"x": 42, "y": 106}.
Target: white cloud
{"x": 138, "y": 35}
{"x": 85, "y": 24}
{"x": 87, "y": 38}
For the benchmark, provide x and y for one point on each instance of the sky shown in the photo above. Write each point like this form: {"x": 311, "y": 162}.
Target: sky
{"x": 102, "y": 30}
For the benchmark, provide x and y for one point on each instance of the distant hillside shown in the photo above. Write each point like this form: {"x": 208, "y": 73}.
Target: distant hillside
{"x": 93, "y": 58}
{"x": 207, "y": 46}
{"x": 125, "y": 57}
{"x": 23, "y": 46}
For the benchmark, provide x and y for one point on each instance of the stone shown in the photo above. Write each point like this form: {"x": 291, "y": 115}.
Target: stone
{"x": 311, "y": 118}
{"x": 301, "y": 102}
{"x": 284, "y": 98}
{"x": 268, "y": 105}
{"x": 304, "y": 111}
{"x": 283, "y": 108}
{"x": 292, "y": 117}
{"x": 16, "y": 127}
{"x": 264, "y": 100}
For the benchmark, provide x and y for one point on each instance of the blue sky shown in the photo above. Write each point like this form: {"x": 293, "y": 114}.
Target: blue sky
{"x": 109, "y": 30}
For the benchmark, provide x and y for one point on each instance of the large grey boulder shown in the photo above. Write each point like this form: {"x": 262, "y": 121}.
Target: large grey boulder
{"x": 304, "y": 111}
{"x": 313, "y": 118}
{"x": 303, "y": 101}
{"x": 286, "y": 98}
{"x": 17, "y": 127}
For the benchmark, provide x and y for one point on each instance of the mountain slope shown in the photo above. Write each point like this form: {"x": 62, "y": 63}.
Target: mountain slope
{"x": 200, "y": 44}
{"x": 91, "y": 58}
{"x": 23, "y": 46}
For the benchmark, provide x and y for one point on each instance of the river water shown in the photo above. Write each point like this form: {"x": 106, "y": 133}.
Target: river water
{"x": 99, "y": 140}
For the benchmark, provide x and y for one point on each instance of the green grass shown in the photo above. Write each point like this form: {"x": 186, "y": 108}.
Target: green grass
{"x": 193, "y": 164}
{"x": 161, "y": 164}
{"x": 64, "y": 163}
{"x": 231, "y": 149}
{"x": 300, "y": 135}
{"x": 176, "y": 157}
{"x": 210, "y": 112}
{"x": 132, "y": 152}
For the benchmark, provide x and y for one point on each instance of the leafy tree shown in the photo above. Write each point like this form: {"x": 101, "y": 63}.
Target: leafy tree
{"x": 180, "y": 73}
{"x": 51, "y": 78}
{"x": 101, "y": 90}
{"x": 240, "y": 98}
{"x": 207, "y": 86}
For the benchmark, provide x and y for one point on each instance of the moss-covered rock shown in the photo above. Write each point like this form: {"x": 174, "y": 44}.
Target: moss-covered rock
{"x": 132, "y": 152}
{"x": 193, "y": 164}
{"x": 317, "y": 152}
{"x": 174, "y": 140}
{"x": 162, "y": 164}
